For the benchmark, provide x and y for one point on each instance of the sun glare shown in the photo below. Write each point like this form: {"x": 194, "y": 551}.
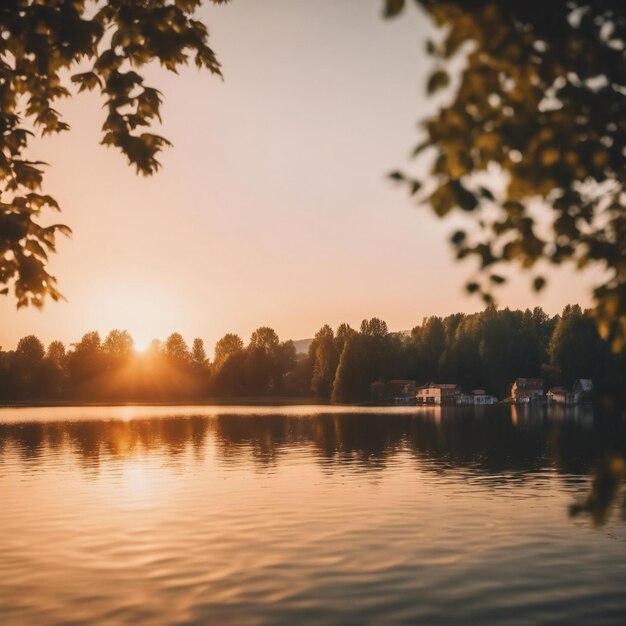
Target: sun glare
{"x": 144, "y": 310}
{"x": 141, "y": 341}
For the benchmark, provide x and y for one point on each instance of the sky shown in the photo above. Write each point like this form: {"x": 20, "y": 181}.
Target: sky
{"x": 273, "y": 207}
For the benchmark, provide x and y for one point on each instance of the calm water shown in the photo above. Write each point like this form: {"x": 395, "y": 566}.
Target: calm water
{"x": 307, "y": 515}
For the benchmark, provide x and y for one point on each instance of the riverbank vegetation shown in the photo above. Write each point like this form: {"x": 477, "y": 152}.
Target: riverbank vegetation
{"x": 487, "y": 350}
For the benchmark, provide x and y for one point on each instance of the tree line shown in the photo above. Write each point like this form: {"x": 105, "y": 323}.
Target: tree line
{"x": 486, "y": 350}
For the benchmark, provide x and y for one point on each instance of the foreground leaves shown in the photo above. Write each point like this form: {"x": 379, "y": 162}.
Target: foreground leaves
{"x": 41, "y": 41}
{"x": 541, "y": 101}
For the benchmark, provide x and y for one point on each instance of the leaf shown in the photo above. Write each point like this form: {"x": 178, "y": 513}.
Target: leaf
{"x": 442, "y": 200}
{"x": 393, "y": 8}
{"x": 458, "y": 237}
{"x": 465, "y": 199}
{"x": 486, "y": 193}
{"x": 539, "y": 283}
{"x": 438, "y": 80}
{"x": 86, "y": 81}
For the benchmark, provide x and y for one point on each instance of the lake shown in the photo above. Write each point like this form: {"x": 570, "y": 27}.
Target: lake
{"x": 307, "y": 515}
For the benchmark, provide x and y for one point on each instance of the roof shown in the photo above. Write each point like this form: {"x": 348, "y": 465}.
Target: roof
{"x": 444, "y": 385}
{"x": 529, "y": 382}
{"x": 586, "y": 384}
{"x": 439, "y": 386}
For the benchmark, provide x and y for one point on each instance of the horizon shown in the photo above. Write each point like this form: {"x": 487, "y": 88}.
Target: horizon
{"x": 143, "y": 345}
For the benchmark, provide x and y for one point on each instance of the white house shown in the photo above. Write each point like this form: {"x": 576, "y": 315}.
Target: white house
{"x": 476, "y": 397}
{"x": 480, "y": 396}
{"x": 436, "y": 393}
{"x": 560, "y": 395}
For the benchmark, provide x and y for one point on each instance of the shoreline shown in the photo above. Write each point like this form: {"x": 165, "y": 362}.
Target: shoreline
{"x": 249, "y": 401}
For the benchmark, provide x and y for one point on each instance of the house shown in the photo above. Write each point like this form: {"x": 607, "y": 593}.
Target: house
{"x": 560, "y": 395}
{"x": 437, "y": 393}
{"x": 395, "y": 391}
{"x": 584, "y": 387}
{"x": 465, "y": 398}
{"x": 480, "y": 396}
{"x": 524, "y": 390}
{"x": 476, "y": 397}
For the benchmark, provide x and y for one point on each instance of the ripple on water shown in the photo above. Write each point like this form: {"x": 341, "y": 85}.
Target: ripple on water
{"x": 307, "y": 516}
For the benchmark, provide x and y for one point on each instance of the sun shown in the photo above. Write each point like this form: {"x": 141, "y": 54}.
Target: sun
{"x": 145, "y": 310}
{"x": 141, "y": 341}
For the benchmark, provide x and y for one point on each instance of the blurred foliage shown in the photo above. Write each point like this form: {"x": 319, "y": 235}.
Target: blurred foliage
{"x": 606, "y": 491}
{"x": 42, "y": 43}
{"x": 540, "y": 99}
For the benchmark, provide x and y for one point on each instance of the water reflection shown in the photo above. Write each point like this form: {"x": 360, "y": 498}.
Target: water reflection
{"x": 501, "y": 442}
{"x": 310, "y": 515}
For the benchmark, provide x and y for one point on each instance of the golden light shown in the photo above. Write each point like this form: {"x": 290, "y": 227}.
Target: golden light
{"x": 145, "y": 310}
{"x": 141, "y": 341}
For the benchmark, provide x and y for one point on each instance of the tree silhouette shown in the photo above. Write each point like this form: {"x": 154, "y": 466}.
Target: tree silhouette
{"x": 486, "y": 350}
{"x": 227, "y": 345}
{"x": 539, "y": 106}
{"x": 119, "y": 344}
{"x": 198, "y": 353}
{"x": 325, "y": 359}
{"x": 56, "y": 352}
{"x": 85, "y": 364}
{"x": 264, "y": 338}
{"x": 26, "y": 372}
{"x": 176, "y": 349}
{"x": 575, "y": 349}
{"x": 41, "y": 43}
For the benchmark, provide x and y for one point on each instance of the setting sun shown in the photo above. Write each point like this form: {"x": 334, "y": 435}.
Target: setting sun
{"x": 144, "y": 310}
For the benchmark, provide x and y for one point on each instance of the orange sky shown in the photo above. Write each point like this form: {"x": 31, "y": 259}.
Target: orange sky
{"x": 273, "y": 207}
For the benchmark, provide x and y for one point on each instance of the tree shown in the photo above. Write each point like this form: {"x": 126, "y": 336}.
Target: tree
{"x": 540, "y": 100}
{"x": 350, "y": 385}
{"x": 198, "y": 354}
{"x": 42, "y": 43}
{"x": 86, "y": 364}
{"x": 29, "y": 351}
{"x": 27, "y": 362}
{"x": 53, "y": 374}
{"x": 264, "y": 338}
{"x": 119, "y": 345}
{"x": 325, "y": 361}
{"x": 344, "y": 331}
{"x": 56, "y": 352}
{"x": 155, "y": 349}
{"x": 176, "y": 349}
{"x": 284, "y": 363}
{"x": 227, "y": 345}
{"x": 575, "y": 350}
{"x": 229, "y": 373}
{"x": 267, "y": 361}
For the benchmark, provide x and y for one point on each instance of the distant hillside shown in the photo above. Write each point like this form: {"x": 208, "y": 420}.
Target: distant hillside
{"x": 302, "y": 345}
